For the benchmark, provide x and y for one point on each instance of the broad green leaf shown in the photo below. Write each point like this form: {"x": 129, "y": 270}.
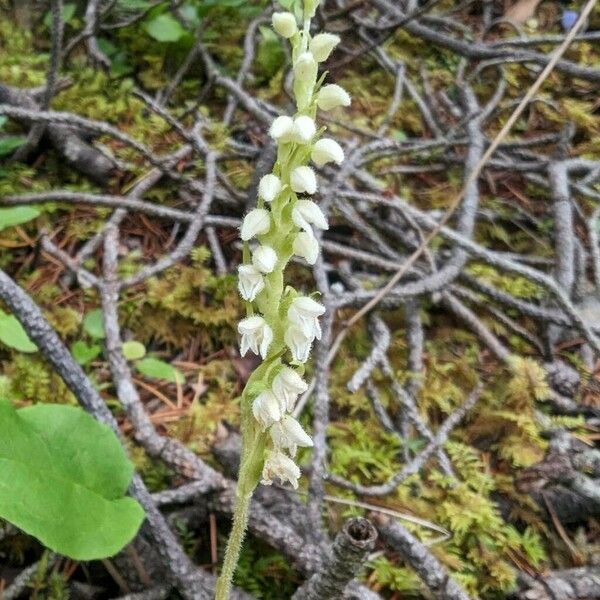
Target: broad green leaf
{"x": 83, "y": 353}
{"x": 68, "y": 12}
{"x": 93, "y": 324}
{"x": 63, "y": 478}
{"x": 153, "y": 367}
{"x": 3, "y": 121}
{"x": 13, "y": 335}
{"x": 9, "y": 217}
{"x": 134, "y": 350}
{"x": 164, "y": 28}
{"x": 10, "y": 143}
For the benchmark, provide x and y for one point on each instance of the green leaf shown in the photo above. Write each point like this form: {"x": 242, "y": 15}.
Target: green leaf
{"x": 9, "y": 217}
{"x": 153, "y": 367}
{"x": 134, "y": 350}
{"x": 93, "y": 324}
{"x": 164, "y": 28}
{"x": 63, "y": 478}
{"x": 83, "y": 353}
{"x": 68, "y": 12}
{"x": 13, "y": 335}
{"x": 3, "y": 121}
{"x": 10, "y": 143}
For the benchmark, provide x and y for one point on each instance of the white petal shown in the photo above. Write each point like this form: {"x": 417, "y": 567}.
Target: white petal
{"x": 281, "y": 128}
{"x": 331, "y": 96}
{"x": 256, "y": 222}
{"x": 264, "y": 259}
{"x": 322, "y": 45}
{"x": 306, "y": 246}
{"x": 303, "y": 180}
{"x": 284, "y": 23}
{"x": 278, "y": 465}
{"x": 269, "y": 187}
{"x": 266, "y": 341}
{"x": 265, "y": 409}
{"x": 287, "y": 386}
{"x": 327, "y": 150}
{"x": 304, "y": 130}
{"x": 250, "y": 282}
{"x": 309, "y": 212}
{"x": 287, "y": 434}
{"x": 298, "y": 343}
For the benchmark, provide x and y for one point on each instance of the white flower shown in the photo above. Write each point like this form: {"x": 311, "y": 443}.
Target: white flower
{"x": 305, "y": 67}
{"x": 322, "y": 45}
{"x": 281, "y": 466}
{"x": 264, "y": 259}
{"x": 256, "y": 222}
{"x": 269, "y": 187}
{"x": 250, "y": 282}
{"x": 256, "y": 335}
{"x": 298, "y": 343}
{"x": 287, "y": 386}
{"x": 327, "y": 150}
{"x": 307, "y": 247}
{"x": 331, "y": 96}
{"x": 303, "y": 180}
{"x": 284, "y": 23}
{"x": 288, "y": 434}
{"x": 304, "y": 130}
{"x": 281, "y": 128}
{"x": 266, "y": 410}
{"x": 307, "y": 213}
{"x": 304, "y": 313}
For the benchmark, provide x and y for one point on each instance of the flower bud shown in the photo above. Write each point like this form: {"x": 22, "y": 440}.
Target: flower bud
{"x": 256, "y": 335}
{"x": 304, "y": 130}
{"x": 327, "y": 150}
{"x": 298, "y": 343}
{"x": 303, "y": 180}
{"x": 264, "y": 259}
{"x": 305, "y": 67}
{"x": 256, "y": 222}
{"x": 322, "y": 45}
{"x": 250, "y": 282}
{"x": 284, "y": 23}
{"x": 310, "y": 8}
{"x": 269, "y": 187}
{"x": 307, "y": 213}
{"x": 281, "y": 466}
{"x": 307, "y": 247}
{"x": 265, "y": 409}
{"x": 288, "y": 434}
{"x": 331, "y": 96}
{"x": 281, "y": 128}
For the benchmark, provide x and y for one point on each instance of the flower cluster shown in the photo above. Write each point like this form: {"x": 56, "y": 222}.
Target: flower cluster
{"x": 282, "y": 325}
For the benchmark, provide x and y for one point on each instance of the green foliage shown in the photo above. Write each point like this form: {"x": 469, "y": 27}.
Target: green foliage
{"x": 133, "y": 350}
{"x": 84, "y": 353}
{"x": 93, "y": 324}
{"x": 154, "y": 367}
{"x": 69, "y": 473}
{"x": 13, "y": 335}
{"x": 9, "y": 217}
{"x": 164, "y": 28}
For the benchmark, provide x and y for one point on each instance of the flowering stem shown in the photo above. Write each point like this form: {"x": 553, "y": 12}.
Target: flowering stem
{"x": 234, "y": 544}
{"x": 282, "y": 324}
